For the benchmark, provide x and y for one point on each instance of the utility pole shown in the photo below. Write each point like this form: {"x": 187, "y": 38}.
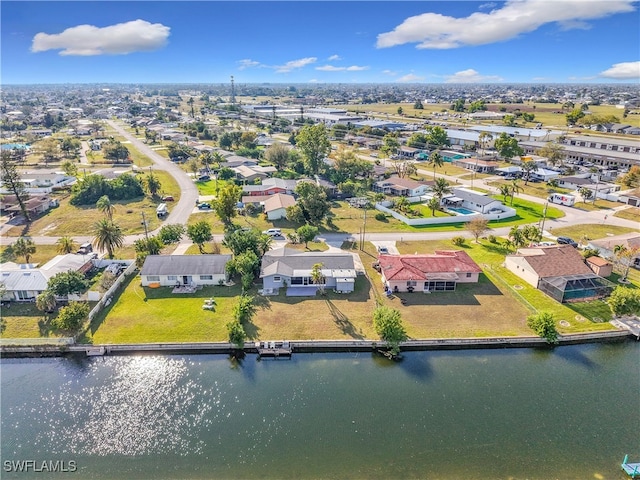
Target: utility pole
{"x": 144, "y": 223}
{"x": 544, "y": 216}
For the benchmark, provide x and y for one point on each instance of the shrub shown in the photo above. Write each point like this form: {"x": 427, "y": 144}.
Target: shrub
{"x": 458, "y": 241}
{"x": 71, "y": 316}
{"x": 544, "y": 325}
{"x": 492, "y": 239}
{"x": 624, "y": 301}
{"x": 381, "y": 217}
{"x": 237, "y": 334}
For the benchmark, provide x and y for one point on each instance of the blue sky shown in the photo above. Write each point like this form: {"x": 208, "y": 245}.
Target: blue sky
{"x": 577, "y": 41}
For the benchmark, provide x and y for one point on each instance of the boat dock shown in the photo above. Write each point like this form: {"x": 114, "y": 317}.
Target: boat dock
{"x": 96, "y": 351}
{"x": 274, "y": 349}
{"x": 631, "y": 469}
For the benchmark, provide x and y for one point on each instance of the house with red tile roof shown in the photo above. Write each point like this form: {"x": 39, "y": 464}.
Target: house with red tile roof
{"x": 559, "y": 271}
{"x": 439, "y": 271}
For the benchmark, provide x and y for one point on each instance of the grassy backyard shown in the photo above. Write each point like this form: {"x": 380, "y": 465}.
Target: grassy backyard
{"x": 591, "y": 231}
{"x": 68, "y": 219}
{"x": 631, "y": 213}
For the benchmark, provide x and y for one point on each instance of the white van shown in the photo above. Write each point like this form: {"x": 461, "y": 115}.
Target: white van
{"x": 562, "y": 199}
{"x": 273, "y": 232}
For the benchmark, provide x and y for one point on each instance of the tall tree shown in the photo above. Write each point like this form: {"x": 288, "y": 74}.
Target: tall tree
{"x": 50, "y": 149}
{"x": 553, "y": 152}
{"x": 63, "y": 284}
{"x": 226, "y": 204}
{"x": 387, "y": 323}
{"x": 153, "y": 184}
{"x": 46, "y": 301}
{"x": 200, "y": 233}
{"x": 484, "y": 140}
{"x": 312, "y": 199}
{"x": 390, "y": 144}
{"x": 306, "y": 234}
{"x": 528, "y": 166}
{"x": 313, "y": 141}
{"x": 106, "y": 207}
{"x": 514, "y": 188}
{"x": 108, "y": 236}
{"x": 433, "y": 204}
{"x": 440, "y": 188}
{"x": 66, "y": 245}
{"x": 24, "y": 247}
{"x": 12, "y": 181}
{"x": 278, "y": 154}
{"x": 507, "y": 146}
{"x": 437, "y": 137}
{"x": 436, "y": 160}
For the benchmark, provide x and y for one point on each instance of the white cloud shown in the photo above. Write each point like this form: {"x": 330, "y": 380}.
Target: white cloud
{"x": 313, "y": 80}
{"x": 333, "y": 58}
{"x": 332, "y": 68}
{"x": 293, "y": 64}
{"x": 248, "y": 63}
{"x": 487, "y": 6}
{"x": 624, "y": 71}
{"x": 436, "y": 31}
{"x": 471, "y": 76}
{"x": 118, "y": 39}
{"x": 389, "y": 72}
{"x": 410, "y": 78}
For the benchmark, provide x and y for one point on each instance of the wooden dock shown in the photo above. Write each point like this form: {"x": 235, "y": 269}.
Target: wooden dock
{"x": 631, "y": 469}
{"x": 274, "y": 349}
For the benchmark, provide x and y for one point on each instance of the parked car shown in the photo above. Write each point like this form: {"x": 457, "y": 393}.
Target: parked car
{"x": 383, "y": 250}
{"x": 85, "y": 249}
{"x": 168, "y": 198}
{"x": 204, "y": 206}
{"x": 204, "y": 178}
{"x": 273, "y": 232}
{"x": 567, "y": 241}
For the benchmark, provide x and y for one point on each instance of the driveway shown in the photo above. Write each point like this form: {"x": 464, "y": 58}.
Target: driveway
{"x": 390, "y": 245}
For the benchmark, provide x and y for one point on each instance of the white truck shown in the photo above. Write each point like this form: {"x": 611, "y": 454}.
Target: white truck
{"x": 162, "y": 210}
{"x": 562, "y": 199}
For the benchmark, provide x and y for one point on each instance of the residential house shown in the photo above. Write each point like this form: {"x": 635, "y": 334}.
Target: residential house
{"x": 291, "y": 269}
{"x": 276, "y": 205}
{"x": 472, "y": 200}
{"x": 408, "y": 152}
{"x": 403, "y": 187}
{"x": 476, "y": 165}
{"x": 35, "y": 205}
{"x": 270, "y": 186}
{"x": 173, "y": 270}
{"x": 440, "y": 271}
{"x": 24, "y": 282}
{"x": 606, "y": 246}
{"x": 248, "y": 174}
{"x": 559, "y": 271}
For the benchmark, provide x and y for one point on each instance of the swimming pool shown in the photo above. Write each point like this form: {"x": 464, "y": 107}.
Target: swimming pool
{"x": 461, "y": 210}
{"x": 14, "y": 146}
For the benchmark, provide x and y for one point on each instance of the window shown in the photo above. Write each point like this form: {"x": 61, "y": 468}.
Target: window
{"x": 411, "y": 283}
{"x": 468, "y": 275}
{"x": 153, "y": 278}
{"x": 172, "y": 278}
{"x": 276, "y": 279}
{"x": 206, "y": 277}
{"x": 23, "y": 295}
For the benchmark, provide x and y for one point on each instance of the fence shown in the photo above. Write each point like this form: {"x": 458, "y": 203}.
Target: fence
{"x": 108, "y": 296}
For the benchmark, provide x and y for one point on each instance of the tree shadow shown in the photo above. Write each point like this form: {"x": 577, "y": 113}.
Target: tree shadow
{"x": 3, "y": 325}
{"x": 342, "y": 321}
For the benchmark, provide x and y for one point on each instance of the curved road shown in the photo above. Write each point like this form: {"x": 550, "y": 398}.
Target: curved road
{"x": 181, "y": 210}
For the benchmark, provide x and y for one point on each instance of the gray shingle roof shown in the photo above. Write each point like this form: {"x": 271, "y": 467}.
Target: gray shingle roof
{"x": 285, "y": 261}
{"x": 478, "y": 198}
{"x": 185, "y": 264}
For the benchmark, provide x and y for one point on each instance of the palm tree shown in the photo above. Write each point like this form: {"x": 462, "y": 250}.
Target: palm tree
{"x": 317, "y": 277}
{"x": 108, "y": 236}
{"x": 153, "y": 184}
{"x": 46, "y": 301}
{"x": 105, "y": 206}
{"x": 433, "y": 204}
{"x": 527, "y": 167}
{"x": 505, "y": 191}
{"x": 436, "y": 160}
{"x": 24, "y": 247}
{"x": 484, "y": 139}
{"x": 440, "y": 188}
{"x": 66, "y": 245}
{"x": 517, "y": 237}
{"x": 514, "y": 188}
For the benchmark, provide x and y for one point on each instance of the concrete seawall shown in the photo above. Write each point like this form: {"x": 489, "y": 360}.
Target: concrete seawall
{"x": 313, "y": 346}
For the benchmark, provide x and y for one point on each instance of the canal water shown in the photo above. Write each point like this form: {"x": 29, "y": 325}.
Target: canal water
{"x": 568, "y": 413}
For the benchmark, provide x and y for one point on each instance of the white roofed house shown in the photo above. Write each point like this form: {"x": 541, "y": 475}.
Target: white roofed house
{"x": 190, "y": 270}
{"x": 401, "y": 187}
{"x": 472, "y": 200}
{"x": 292, "y": 270}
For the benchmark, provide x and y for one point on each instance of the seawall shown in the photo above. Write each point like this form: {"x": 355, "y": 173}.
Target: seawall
{"x": 309, "y": 346}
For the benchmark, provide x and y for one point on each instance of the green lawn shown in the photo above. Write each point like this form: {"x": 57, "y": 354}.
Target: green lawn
{"x": 24, "y": 320}
{"x": 540, "y": 190}
{"x": 79, "y": 220}
{"x": 592, "y": 231}
{"x": 527, "y": 212}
